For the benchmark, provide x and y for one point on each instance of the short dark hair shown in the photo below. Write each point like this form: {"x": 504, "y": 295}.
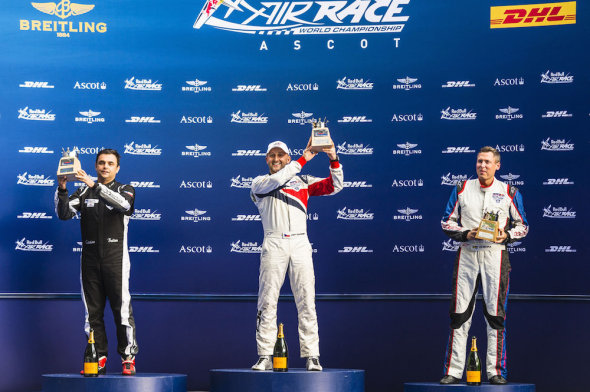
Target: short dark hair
{"x": 108, "y": 151}
{"x": 492, "y": 150}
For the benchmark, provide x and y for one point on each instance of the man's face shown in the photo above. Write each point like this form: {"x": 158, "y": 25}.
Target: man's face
{"x": 276, "y": 159}
{"x": 106, "y": 167}
{"x": 486, "y": 166}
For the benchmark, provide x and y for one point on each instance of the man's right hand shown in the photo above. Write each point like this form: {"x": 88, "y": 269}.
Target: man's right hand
{"x": 307, "y": 153}
{"x": 62, "y": 181}
{"x": 471, "y": 234}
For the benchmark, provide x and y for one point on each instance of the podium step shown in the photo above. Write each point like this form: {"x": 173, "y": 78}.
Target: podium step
{"x": 462, "y": 387}
{"x": 141, "y": 382}
{"x": 295, "y": 380}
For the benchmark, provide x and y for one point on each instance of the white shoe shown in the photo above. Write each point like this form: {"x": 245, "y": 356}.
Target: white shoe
{"x": 313, "y": 364}
{"x": 264, "y": 363}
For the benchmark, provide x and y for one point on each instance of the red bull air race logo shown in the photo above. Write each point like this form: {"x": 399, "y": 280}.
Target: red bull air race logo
{"x": 304, "y": 17}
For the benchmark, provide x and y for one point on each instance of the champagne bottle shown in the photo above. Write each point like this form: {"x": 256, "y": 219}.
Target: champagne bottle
{"x": 473, "y": 365}
{"x": 280, "y": 356}
{"x": 90, "y": 357}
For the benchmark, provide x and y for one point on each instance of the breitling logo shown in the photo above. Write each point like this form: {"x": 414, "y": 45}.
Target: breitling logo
{"x": 63, "y": 10}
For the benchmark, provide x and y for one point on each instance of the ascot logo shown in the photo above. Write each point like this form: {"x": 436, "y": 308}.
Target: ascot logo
{"x": 408, "y": 248}
{"x": 142, "y": 119}
{"x": 353, "y": 84}
{"x": 196, "y": 185}
{"x": 399, "y": 183}
{"x": 195, "y": 215}
{"x": 556, "y": 114}
{"x": 556, "y": 145}
{"x": 89, "y": 117}
{"x": 248, "y": 88}
{"x": 356, "y": 184}
{"x": 354, "y": 149}
{"x": 502, "y": 82}
{"x": 143, "y": 249}
{"x": 28, "y": 84}
{"x": 407, "y": 84}
{"x": 196, "y": 151}
{"x": 510, "y": 147}
{"x": 560, "y": 249}
{"x": 509, "y": 114}
{"x": 301, "y": 118}
{"x": 144, "y": 184}
{"x": 146, "y": 214}
{"x": 511, "y": 179}
{"x": 407, "y": 117}
{"x": 556, "y": 78}
{"x": 407, "y": 149}
{"x": 142, "y": 84}
{"x": 34, "y": 215}
{"x": 248, "y": 153}
{"x": 87, "y": 150}
{"x": 558, "y": 212}
{"x": 355, "y": 249}
{"x": 33, "y": 246}
{"x": 142, "y": 149}
{"x": 195, "y": 249}
{"x": 453, "y": 180}
{"x": 547, "y": 14}
{"x": 196, "y": 120}
{"x": 243, "y": 182}
{"x": 354, "y": 214}
{"x": 34, "y": 180}
{"x": 36, "y": 150}
{"x": 197, "y": 86}
{"x": 248, "y": 118}
{"x": 90, "y": 86}
{"x": 458, "y": 150}
{"x": 458, "y": 84}
{"x": 457, "y": 114}
{"x": 558, "y": 181}
{"x": 306, "y": 17}
{"x": 35, "y": 114}
{"x": 450, "y": 245}
{"x": 407, "y": 214}
{"x": 355, "y": 119}
{"x": 245, "y": 247}
{"x": 303, "y": 87}
{"x": 246, "y": 218}
{"x": 63, "y": 10}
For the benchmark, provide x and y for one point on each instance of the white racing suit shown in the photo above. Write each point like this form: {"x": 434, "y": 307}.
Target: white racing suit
{"x": 481, "y": 263}
{"x": 281, "y": 199}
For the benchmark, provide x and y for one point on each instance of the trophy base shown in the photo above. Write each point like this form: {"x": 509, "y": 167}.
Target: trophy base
{"x": 293, "y": 380}
{"x": 141, "y": 382}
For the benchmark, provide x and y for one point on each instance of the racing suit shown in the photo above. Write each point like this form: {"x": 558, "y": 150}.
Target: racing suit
{"x": 481, "y": 263}
{"x": 104, "y": 271}
{"x": 281, "y": 199}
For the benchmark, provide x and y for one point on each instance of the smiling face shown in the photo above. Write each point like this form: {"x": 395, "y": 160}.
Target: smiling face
{"x": 106, "y": 168}
{"x": 486, "y": 167}
{"x": 276, "y": 159}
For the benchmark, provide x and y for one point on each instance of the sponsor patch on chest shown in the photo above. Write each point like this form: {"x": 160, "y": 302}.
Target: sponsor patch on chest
{"x": 90, "y": 202}
{"x": 295, "y": 184}
{"x": 498, "y": 197}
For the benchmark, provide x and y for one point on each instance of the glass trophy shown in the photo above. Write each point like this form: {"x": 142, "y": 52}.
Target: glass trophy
{"x": 69, "y": 164}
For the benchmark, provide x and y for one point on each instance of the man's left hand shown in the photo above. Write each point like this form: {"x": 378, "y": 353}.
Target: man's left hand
{"x": 501, "y": 237}
{"x": 85, "y": 178}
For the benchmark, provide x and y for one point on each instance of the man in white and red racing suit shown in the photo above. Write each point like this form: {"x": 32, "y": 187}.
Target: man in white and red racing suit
{"x": 281, "y": 197}
{"x": 481, "y": 263}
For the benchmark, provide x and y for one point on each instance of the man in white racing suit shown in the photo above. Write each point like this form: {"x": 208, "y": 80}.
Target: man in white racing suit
{"x": 281, "y": 197}
{"x": 481, "y": 263}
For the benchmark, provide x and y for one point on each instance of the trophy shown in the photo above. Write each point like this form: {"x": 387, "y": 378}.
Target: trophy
{"x": 488, "y": 227}
{"x": 69, "y": 164}
{"x": 320, "y": 136}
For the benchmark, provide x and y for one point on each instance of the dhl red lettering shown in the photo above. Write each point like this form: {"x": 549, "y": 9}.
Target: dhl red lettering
{"x": 512, "y": 15}
{"x": 552, "y": 17}
{"x": 537, "y": 13}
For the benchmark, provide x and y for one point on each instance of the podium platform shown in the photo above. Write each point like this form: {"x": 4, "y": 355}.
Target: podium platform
{"x": 141, "y": 382}
{"x": 462, "y": 387}
{"x": 295, "y": 380}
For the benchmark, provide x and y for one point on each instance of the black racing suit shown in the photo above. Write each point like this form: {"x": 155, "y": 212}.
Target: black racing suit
{"x": 104, "y": 273}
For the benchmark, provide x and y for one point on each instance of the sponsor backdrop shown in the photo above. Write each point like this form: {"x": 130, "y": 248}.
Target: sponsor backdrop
{"x": 191, "y": 93}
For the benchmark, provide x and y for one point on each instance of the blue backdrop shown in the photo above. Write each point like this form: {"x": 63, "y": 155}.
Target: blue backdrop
{"x": 411, "y": 89}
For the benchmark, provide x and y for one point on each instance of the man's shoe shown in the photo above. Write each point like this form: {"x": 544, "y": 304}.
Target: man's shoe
{"x": 102, "y": 366}
{"x": 313, "y": 364}
{"x": 264, "y": 363}
{"x": 449, "y": 380}
{"x": 128, "y": 365}
{"x": 498, "y": 380}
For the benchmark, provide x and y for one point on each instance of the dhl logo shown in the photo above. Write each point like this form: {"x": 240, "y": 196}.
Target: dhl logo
{"x": 548, "y": 14}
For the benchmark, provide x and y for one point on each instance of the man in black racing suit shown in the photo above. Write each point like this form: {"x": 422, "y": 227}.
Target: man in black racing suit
{"x": 105, "y": 207}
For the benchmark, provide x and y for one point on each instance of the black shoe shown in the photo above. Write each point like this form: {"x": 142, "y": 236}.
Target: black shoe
{"x": 449, "y": 380}
{"x": 498, "y": 380}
